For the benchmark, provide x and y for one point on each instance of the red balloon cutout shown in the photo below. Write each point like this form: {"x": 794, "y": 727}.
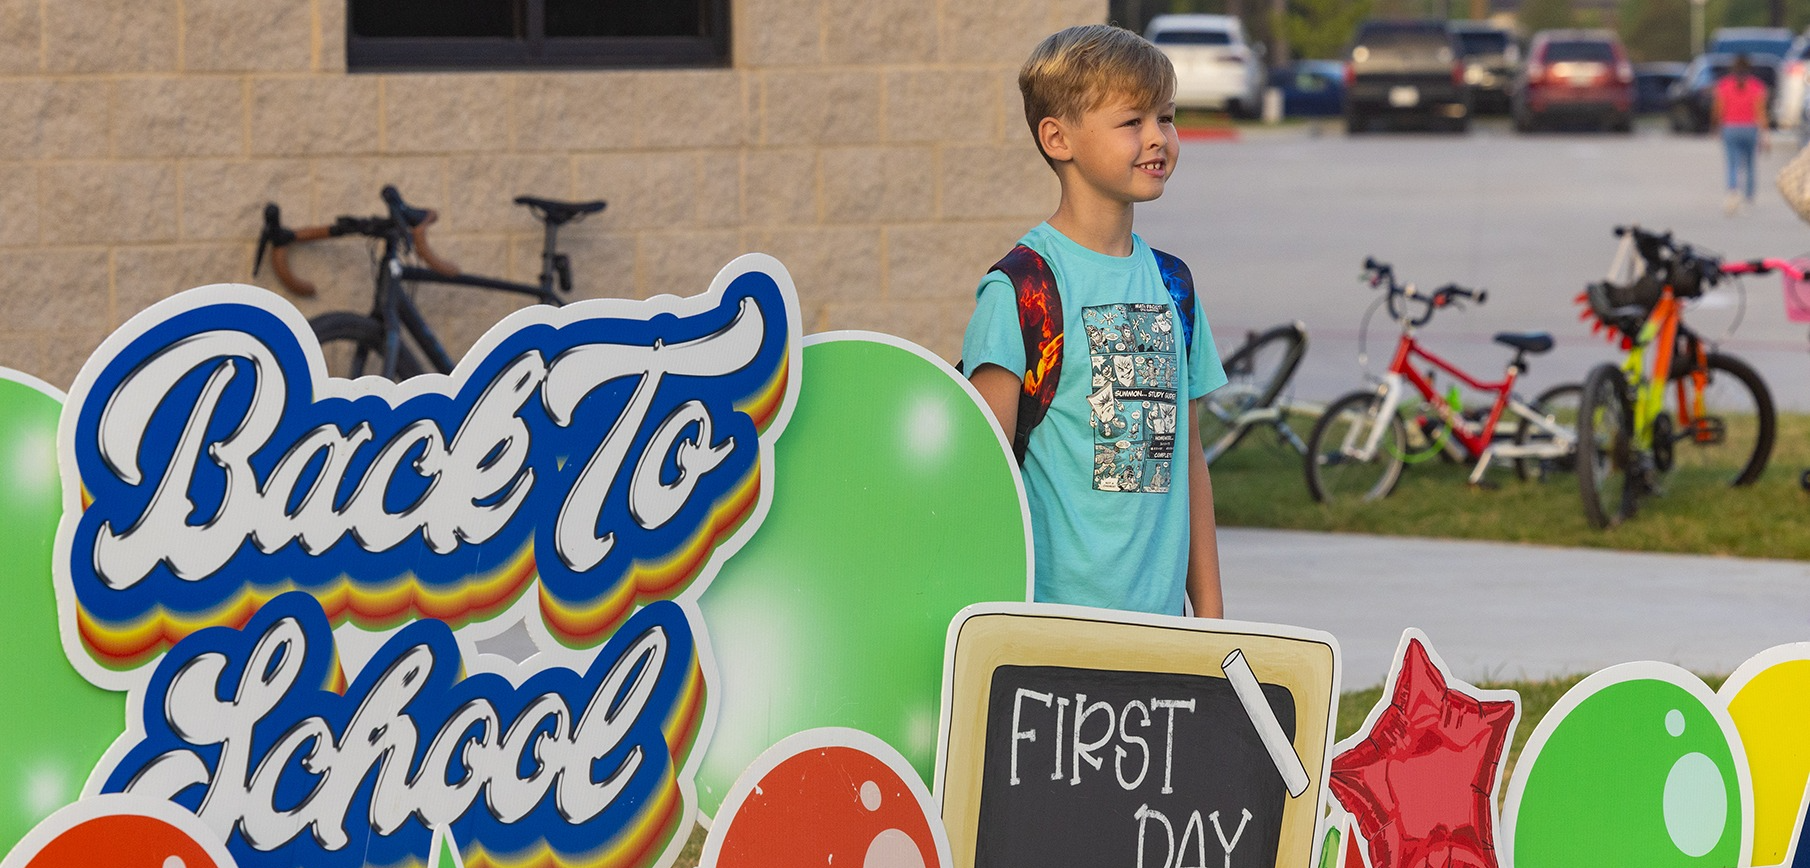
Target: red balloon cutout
{"x": 1421, "y": 783}
{"x": 122, "y": 841}
{"x": 830, "y": 806}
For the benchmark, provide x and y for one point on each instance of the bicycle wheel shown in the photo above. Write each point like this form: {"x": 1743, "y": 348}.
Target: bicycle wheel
{"x": 352, "y": 344}
{"x": 1255, "y": 375}
{"x": 1336, "y": 472}
{"x": 1559, "y": 405}
{"x": 1425, "y": 434}
{"x": 1605, "y": 428}
{"x": 1731, "y": 444}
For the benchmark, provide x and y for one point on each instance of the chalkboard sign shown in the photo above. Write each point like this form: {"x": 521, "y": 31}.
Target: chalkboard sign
{"x": 1145, "y": 742}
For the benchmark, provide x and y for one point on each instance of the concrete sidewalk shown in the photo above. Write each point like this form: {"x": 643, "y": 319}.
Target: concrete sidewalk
{"x": 1505, "y": 610}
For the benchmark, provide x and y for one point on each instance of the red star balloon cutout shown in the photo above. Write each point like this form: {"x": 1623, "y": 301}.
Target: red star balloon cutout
{"x": 1420, "y": 778}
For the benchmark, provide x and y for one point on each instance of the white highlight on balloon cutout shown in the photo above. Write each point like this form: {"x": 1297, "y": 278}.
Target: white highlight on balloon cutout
{"x": 892, "y": 848}
{"x": 1696, "y": 798}
{"x": 1257, "y": 708}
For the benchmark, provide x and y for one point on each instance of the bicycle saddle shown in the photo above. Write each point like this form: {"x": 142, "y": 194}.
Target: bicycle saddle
{"x": 557, "y": 212}
{"x": 1527, "y": 342}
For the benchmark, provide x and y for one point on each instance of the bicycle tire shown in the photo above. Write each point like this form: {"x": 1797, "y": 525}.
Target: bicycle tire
{"x": 1334, "y": 476}
{"x": 352, "y": 345}
{"x": 1255, "y": 374}
{"x": 1735, "y": 446}
{"x": 1560, "y": 405}
{"x": 1605, "y": 428}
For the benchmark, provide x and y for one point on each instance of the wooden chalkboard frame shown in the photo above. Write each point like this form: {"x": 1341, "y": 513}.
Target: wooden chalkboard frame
{"x": 984, "y": 637}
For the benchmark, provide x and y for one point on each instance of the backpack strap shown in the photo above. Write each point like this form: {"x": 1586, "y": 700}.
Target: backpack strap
{"x": 1040, "y": 321}
{"x": 1180, "y": 283}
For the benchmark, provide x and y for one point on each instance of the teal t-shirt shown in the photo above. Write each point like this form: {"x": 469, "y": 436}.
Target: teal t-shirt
{"x": 1106, "y": 471}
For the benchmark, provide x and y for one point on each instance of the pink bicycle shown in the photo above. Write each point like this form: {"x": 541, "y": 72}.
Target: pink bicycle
{"x": 1793, "y": 273}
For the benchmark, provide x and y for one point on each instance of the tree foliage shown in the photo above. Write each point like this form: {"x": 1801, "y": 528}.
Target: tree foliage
{"x": 1656, "y": 29}
{"x": 1321, "y": 28}
{"x": 1537, "y": 15}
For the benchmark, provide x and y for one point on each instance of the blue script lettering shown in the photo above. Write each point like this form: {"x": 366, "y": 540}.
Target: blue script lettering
{"x": 576, "y": 447}
{"x": 241, "y": 727}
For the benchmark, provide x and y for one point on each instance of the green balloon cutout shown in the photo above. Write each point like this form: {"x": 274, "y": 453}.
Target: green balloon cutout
{"x": 893, "y": 507}
{"x": 56, "y": 724}
{"x": 1639, "y": 772}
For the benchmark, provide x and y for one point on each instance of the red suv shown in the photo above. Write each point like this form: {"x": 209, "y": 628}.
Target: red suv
{"x": 1577, "y": 76}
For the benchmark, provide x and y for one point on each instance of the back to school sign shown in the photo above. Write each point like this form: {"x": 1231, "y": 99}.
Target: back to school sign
{"x": 260, "y": 616}
{"x": 286, "y": 619}
{"x": 228, "y": 508}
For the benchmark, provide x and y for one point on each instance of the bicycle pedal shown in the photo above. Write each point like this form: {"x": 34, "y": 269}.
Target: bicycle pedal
{"x": 1709, "y": 432}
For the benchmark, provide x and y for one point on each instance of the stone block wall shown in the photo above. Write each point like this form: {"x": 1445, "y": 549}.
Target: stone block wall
{"x": 878, "y": 149}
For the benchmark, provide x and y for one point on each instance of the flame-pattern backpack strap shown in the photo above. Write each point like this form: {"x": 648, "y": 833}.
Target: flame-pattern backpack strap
{"x": 1180, "y": 283}
{"x": 1040, "y": 321}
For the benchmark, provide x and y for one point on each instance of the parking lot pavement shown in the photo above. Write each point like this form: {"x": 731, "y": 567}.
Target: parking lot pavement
{"x": 1503, "y": 610}
{"x": 1276, "y": 226}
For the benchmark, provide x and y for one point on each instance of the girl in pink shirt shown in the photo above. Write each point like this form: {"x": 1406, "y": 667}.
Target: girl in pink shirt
{"x": 1740, "y": 109}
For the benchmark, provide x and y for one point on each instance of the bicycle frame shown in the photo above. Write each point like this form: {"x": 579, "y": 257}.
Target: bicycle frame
{"x": 398, "y": 311}
{"x": 1477, "y": 440}
{"x": 403, "y": 233}
{"x": 1648, "y": 383}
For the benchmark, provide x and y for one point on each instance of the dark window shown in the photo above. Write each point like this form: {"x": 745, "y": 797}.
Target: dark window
{"x": 1483, "y": 42}
{"x": 1193, "y": 37}
{"x": 1767, "y": 75}
{"x": 1752, "y": 47}
{"x": 1575, "y": 52}
{"x": 1392, "y": 38}
{"x": 528, "y": 34}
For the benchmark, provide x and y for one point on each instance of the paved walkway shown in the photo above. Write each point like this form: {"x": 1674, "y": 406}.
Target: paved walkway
{"x": 1503, "y": 610}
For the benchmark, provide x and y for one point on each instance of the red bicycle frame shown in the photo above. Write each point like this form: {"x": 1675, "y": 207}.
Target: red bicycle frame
{"x": 1474, "y": 441}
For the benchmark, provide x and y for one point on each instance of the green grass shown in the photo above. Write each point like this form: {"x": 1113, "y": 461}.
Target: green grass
{"x": 1262, "y": 484}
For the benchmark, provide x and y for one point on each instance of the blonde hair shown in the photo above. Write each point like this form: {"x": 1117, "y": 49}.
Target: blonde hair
{"x": 1076, "y": 70}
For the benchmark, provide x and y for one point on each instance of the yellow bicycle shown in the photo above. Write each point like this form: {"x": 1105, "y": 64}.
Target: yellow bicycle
{"x": 1675, "y": 406}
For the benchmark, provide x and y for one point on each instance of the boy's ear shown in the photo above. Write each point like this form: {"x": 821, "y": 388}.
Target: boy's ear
{"x": 1052, "y": 136}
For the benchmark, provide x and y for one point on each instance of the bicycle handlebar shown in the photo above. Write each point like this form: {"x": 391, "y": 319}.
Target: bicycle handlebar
{"x": 1382, "y": 274}
{"x": 1682, "y": 265}
{"x": 276, "y": 238}
{"x": 1765, "y": 266}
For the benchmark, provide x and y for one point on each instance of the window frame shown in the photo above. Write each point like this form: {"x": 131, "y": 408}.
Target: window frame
{"x": 540, "y": 52}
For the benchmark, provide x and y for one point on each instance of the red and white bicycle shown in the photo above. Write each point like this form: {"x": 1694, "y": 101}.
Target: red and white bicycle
{"x": 1361, "y": 445}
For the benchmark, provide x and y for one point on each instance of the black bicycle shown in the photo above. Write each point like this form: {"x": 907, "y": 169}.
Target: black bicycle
{"x": 1256, "y": 374}
{"x": 357, "y": 344}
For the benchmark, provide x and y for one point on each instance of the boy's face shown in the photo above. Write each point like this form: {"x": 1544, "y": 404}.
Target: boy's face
{"x": 1120, "y": 151}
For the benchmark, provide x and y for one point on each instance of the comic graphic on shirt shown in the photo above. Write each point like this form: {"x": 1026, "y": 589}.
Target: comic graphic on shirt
{"x": 1132, "y": 348}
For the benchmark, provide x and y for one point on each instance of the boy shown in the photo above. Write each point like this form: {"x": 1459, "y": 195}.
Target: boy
{"x": 1121, "y": 504}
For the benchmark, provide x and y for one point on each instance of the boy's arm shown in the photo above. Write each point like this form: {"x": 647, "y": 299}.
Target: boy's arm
{"x": 1203, "y": 530}
{"x": 999, "y": 388}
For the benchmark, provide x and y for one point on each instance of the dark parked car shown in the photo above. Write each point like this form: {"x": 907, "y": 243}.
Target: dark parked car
{"x": 1311, "y": 88}
{"x": 1692, "y": 95}
{"x": 1653, "y": 84}
{"x": 1576, "y": 77}
{"x": 1491, "y": 59}
{"x": 1405, "y": 70}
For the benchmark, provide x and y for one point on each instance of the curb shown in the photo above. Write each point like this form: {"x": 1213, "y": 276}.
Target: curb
{"x": 1208, "y": 134}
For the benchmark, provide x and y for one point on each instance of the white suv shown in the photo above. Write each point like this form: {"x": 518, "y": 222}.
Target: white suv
{"x": 1214, "y": 67}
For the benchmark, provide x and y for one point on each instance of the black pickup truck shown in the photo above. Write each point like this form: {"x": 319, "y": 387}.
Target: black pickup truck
{"x": 1406, "y": 70}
